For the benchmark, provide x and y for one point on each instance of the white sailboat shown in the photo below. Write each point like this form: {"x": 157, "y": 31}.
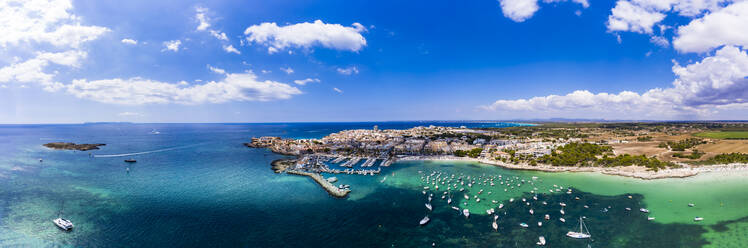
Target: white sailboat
{"x": 428, "y": 206}
{"x": 581, "y": 234}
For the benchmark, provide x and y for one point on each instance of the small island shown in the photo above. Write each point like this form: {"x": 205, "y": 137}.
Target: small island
{"x": 72, "y": 146}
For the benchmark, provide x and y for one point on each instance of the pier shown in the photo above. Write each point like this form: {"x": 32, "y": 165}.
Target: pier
{"x": 329, "y": 187}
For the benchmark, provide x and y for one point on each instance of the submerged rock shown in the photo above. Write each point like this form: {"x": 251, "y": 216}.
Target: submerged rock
{"x": 72, "y": 146}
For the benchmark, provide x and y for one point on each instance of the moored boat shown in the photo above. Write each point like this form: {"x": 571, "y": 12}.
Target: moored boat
{"x": 425, "y": 220}
{"x": 63, "y": 224}
{"x": 581, "y": 234}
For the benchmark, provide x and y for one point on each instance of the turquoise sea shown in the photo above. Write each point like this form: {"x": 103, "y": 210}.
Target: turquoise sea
{"x": 196, "y": 185}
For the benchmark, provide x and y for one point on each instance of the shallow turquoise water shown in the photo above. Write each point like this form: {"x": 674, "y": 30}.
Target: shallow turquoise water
{"x": 203, "y": 188}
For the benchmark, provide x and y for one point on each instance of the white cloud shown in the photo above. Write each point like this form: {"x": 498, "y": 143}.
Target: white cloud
{"x": 521, "y": 10}
{"x": 216, "y": 70}
{"x": 348, "y": 71}
{"x": 626, "y": 16}
{"x": 265, "y": 71}
{"x": 337, "y": 90}
{"x": 33, "y": 70}
{"x": 231, "y": 49}
{"x": 717, "y": 82}
{"x": 172, "y": 45}
{"x": 727, "y": 26}
{"x": 44, "y": 21}
{"x": 135, "y": 91}
{"x": 660, "y": 41}
{"x": 130, "y": 41}
{"x": 287, "y": 70}
{"x": 202, "y": 19}
{"x": 306, "y": 81}
{"x": 307, "y": 35}
{"x": 219, "y": 35}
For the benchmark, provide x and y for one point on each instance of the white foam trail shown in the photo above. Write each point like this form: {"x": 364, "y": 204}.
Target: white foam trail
{"x": 145, "y": 152}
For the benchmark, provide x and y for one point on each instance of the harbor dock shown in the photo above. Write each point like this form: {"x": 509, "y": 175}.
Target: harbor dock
{"x": 328, "y": 186}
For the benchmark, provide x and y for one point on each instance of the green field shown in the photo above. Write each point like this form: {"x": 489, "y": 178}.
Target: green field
{"x": 724, "y": 135}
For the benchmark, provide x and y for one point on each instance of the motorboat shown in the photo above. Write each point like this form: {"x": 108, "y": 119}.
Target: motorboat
{"x": 525, "y": 225}
{"x": 466, "y": 212}
{"x": 425, "y": 220}
{"x": 495, "y": 226}
{"x": 562, "y": 220}
{"x": 650, "y": 218}
{"x": 63, "y": 224}
{"x": 698, "y": 219}
{"x": 644, "y": 210}
{"x": 428, "y": 206}
{"x": 581, "y": 234}
{"x": 131, "y": 160}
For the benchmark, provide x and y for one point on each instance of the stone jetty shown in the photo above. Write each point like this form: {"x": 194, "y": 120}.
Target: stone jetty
{"x": 329, "y": 187}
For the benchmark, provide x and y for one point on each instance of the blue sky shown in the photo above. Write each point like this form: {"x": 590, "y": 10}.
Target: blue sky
{"x": 372, "y": 60}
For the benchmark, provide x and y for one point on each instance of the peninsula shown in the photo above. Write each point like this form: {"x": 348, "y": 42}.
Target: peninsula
{"x": 647, "y": 150}
{"x": 72, "y": 146}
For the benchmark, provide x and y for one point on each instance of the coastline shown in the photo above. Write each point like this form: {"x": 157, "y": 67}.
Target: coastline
{"x": 639, "y": 172}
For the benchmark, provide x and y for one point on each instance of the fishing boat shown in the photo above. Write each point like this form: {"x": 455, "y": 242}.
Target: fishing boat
{"x": 428, "y": 206}
{"x": 644, "y": 210}
{"x": 525, "y": 225}
{"x": 466, "y": 212}
{"x": 541, "y": 241}
{"x": 131, "y": 160}
{"x": 425, "y": 220}
{"x": 581, "y": 234}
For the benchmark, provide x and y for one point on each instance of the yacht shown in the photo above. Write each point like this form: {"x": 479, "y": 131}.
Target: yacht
{"x": 63, "y": 223}
{"x": 581, "y": 234}
{"x": 425, "y": 220}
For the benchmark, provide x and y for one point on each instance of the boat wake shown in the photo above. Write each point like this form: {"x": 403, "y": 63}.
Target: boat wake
{"x": 145, "y": 152}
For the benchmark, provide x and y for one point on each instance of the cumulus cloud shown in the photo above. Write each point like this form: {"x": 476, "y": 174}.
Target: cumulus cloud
{"x": 172, "y": 45}
{"x": 726, "y": 26}
{"x": 33, "y": 70}
{"x": 626, "y": 16}
{"x": 130, "y": 41}
{"x": 641, "y": 15}
{"x": 306, "y": 81}
{"x": 348, "y": 71}
{"x": 521, "y": 10}
{"x": 307, "y": 35}
{"x": 231, "y": 49}
{"x": 135, "y": 91}
{"x": 718, "y": 81}
{"x": 44, "y": 21}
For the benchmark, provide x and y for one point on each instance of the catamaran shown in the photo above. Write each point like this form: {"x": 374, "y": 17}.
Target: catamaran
{"x": 581, "y": 234}
{"x": 63, "y": 223}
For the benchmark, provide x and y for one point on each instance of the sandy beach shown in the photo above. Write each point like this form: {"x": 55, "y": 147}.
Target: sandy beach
{"x": 627, "y": 171}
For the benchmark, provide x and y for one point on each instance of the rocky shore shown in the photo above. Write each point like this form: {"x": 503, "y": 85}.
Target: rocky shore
{"x": 627, "y": 171}
{"x": 72, "y": 146}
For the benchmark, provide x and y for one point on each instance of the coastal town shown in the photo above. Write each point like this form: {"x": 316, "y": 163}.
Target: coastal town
{"x": 640, "y": 151}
